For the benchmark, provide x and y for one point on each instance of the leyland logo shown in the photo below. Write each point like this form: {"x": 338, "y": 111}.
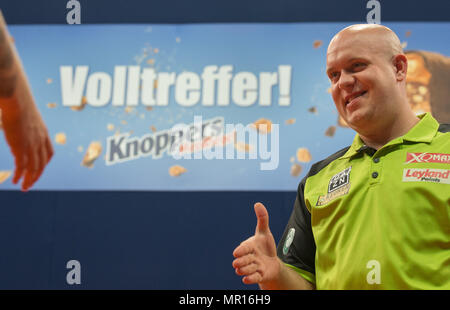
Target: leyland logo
{"x": 427, "y": 175}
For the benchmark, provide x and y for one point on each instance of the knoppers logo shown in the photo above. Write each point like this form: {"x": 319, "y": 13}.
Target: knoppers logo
{"x": 427, "y": 158}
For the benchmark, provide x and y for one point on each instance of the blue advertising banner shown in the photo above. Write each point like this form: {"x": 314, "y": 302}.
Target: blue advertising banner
{"x": 197, "y": 107}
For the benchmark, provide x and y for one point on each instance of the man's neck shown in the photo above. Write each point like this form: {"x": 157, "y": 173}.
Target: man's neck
{"x": 400, "y": 126}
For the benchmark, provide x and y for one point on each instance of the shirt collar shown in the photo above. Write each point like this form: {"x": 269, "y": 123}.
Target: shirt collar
{"x": 423, "y": 131}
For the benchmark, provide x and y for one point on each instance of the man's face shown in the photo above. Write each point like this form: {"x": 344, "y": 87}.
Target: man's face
{"x": 362, "y": 79}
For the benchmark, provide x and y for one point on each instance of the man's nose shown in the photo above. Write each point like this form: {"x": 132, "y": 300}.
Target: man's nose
{"x": 346, "y": 80}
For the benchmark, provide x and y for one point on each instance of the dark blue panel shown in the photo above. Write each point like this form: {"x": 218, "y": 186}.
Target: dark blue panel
{"x": 198, "y": 11}
{"x": 27, "y": 225}
{"x": 131, "y": 240}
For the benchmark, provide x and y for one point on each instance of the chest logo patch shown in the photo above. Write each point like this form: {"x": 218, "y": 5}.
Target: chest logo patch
{"x": 427, "y": 158}
{"x": 339, "y": 185}
{"x": 426, "y": 175}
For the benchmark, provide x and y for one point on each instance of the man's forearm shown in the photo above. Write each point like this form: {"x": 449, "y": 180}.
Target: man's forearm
{"x": 288, "y": 280}
{"x": 8, "y": 63}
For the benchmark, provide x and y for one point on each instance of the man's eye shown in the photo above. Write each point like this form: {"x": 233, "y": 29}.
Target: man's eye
{"x": 358, "y": 65}
{"x": 333, "y": 75}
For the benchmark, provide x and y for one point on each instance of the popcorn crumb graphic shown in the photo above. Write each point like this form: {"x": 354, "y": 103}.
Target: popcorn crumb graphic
{"x": 4, "y": 175}
{"x": 290, "y": 121}
{"x": 296, "y": 169}
{"x": 49, "y": 81}
{"x": 292, "y": 159}
{"x": 176, "y": 171}
{"x": 60, "y": 138}
{"x": 408, "y": 33}
{"x": 243, "y": 147}
{"x": 151, "y": 61}
{"x": 262, "y": 125}
{"x": 80, "y": 107}
{"x": 153, "y": 128}
{"x": 149, "y": 108}
{"x": 330, "y": 131}
{"x": 142, "y": 116}
{"x": 51, "y": 105}
{"x": 128, "y": 109}
{"x": 303, "y": 155}
{"x": 312, "y": 110}
{"x": 123, "y": 122}
{"x": 329, "y": 90}
{"x": 156, "y": 50}
{"x": 110, "y": 127}
{"x": 317, "y": 43}
{"x": 80, "y": 148}
{"x": 93, "y": 152}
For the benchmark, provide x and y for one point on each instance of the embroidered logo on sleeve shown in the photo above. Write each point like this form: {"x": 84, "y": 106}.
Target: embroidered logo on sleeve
{"x": 288, "y": 242}
{"x": 427, "y": 158}
{"x": 426, "y": 175}
{"x": 339, "y": 185}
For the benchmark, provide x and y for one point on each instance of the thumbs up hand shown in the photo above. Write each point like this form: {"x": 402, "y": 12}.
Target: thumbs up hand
{"x": 256, "y": 258}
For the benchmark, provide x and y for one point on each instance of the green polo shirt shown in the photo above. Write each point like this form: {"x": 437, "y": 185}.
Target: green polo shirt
{"x": 376, "y": 219}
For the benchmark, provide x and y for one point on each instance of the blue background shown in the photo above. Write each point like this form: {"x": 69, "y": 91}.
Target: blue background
{"x": 174, "y": 237}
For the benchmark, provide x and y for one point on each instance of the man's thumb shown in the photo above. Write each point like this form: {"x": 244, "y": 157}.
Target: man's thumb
{"x": 262, "y": 216}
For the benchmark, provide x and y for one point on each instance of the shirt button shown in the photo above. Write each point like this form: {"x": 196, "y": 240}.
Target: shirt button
{"x": 375, "y": 175}
{"x": 376, "y": 160}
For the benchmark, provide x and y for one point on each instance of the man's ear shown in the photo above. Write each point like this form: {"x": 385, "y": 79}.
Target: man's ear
{"x": 400, "y": 63}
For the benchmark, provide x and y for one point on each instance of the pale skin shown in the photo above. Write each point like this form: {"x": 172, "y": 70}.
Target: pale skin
{"x": 367, "y": 70}
{"x": 24, "y": 129}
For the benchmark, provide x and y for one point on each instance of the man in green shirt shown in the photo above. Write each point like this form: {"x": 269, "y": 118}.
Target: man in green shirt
{"x": 375, "y": 215}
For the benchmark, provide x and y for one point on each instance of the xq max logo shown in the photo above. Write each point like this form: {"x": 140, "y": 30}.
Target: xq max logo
{"x": 427, "y": 158}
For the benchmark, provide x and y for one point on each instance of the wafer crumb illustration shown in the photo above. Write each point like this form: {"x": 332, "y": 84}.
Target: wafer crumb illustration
{"x": 317, "y": 43}
{"x": 149, "y": 108}
{"x": 330, "y": 131}
{"x": 93, "y": 152}
{"x": 80, "y": 107}
{"x": 262, "y": 125}
{"x": 4, "y": 175}
{"x": 292, "y": 159}
{"x": 303, "y": 155}
{"x": 80, "y": 148}
{"x": 110, "y": 127}
{"x": 296, "y": 169}
{"x": 290, "y": 121}
{"x": 51, "y": 105}
{"x": 243, "y": 147}
{"x": 60, "y": 138}
{"x": 49, "y": 81}
{"x": 312, "y": 110}
{"x": 153, "y": 128}
{"x": 176, "y": 171}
